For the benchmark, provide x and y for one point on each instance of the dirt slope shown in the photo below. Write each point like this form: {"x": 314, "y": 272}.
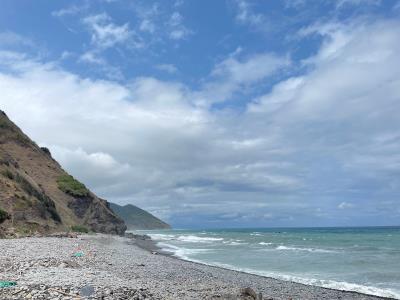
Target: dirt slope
{"x": 37, "y": 195}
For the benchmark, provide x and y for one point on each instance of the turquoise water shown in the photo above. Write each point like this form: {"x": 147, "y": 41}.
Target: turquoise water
{"x": 357, "y": 259}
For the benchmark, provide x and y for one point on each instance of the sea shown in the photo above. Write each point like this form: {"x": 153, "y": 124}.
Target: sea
{"x": 365, "y": 259}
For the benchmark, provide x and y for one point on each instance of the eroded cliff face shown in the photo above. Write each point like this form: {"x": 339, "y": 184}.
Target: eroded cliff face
{"x": 37, "y": 195}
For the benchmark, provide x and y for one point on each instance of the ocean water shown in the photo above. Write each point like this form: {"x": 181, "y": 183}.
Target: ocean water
{"x": 365, "y": 259}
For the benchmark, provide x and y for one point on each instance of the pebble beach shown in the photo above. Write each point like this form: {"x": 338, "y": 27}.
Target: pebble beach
{"x": 111, "y": 267}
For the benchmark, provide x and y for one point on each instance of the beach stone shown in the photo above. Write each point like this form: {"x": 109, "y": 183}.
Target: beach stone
{"x": 249, "y": 292}
{"x": 87, "y": 291}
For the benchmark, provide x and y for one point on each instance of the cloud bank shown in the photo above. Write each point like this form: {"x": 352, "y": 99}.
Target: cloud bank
{"x": 294, "y": 155}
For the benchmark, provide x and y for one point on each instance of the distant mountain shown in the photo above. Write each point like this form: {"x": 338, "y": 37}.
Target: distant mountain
{"x": 137, "y": 218}
{"x": 37, "y": 195}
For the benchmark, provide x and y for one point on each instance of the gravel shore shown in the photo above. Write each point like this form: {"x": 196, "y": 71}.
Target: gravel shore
{"x": 111, "y": 267}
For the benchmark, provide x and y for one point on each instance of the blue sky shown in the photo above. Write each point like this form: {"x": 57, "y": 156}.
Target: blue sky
{"x": 215, "y": 113}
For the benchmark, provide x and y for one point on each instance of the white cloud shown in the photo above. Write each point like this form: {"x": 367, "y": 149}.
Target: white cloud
{"x": 350, "y": 98}
{"x": 176, "y": 19}
{"x": 178, "y": 34}
{"x": 149, "y": 18}
{"x": 92, "y": 57}
{"x": 9, "y": 38}
{"x": 245, "y": 13}
{"x": 66, "y": 55}
{"x": 147, "y": 26}
{"x": 160, "y": 24}
{"x": 178, "y": 30}
{"x": 344, "y": 3}
{"x": 345, "y": 205}
{"x": 178, "y": 3}
{"x": 106, "y": 34}
{"x": 282, "y": 94}
{"x": 234, "y": 74}
{"x": 71, "y": 10}
{"x": 248, "y": 70}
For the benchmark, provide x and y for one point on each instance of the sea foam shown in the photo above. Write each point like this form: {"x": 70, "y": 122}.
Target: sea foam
{"x": 304, "y": 249}
{"x": 197, "y": 239}
{"x": 334, "y": 258}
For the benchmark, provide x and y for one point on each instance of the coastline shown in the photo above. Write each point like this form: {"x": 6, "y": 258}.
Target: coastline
{"x": 124, "y": 268}
{"x": 151, "y": 246}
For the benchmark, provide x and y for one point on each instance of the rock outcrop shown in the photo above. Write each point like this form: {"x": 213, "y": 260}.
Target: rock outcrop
{"x": 37, "y": 195}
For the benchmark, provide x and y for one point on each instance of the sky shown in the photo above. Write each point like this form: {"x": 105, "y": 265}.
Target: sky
{"x": 215, "y": 113}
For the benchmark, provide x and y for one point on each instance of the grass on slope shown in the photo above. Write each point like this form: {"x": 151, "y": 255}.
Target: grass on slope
{"x": 71, "y": 186}
{"x": 79, "y": 228}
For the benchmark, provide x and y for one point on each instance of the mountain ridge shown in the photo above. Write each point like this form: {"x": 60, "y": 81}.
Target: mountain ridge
{"x": 137, "y": 218}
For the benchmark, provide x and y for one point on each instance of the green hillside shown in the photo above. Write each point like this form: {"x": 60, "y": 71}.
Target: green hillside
{"x": 137, "y": 218}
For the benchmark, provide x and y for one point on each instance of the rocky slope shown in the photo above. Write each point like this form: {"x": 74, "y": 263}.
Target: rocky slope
{"x": 37, "y": 195}
{"x": 137, "y": 218}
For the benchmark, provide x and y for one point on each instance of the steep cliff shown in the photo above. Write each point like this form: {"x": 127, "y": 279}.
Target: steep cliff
{"x": 37, "y": 195}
